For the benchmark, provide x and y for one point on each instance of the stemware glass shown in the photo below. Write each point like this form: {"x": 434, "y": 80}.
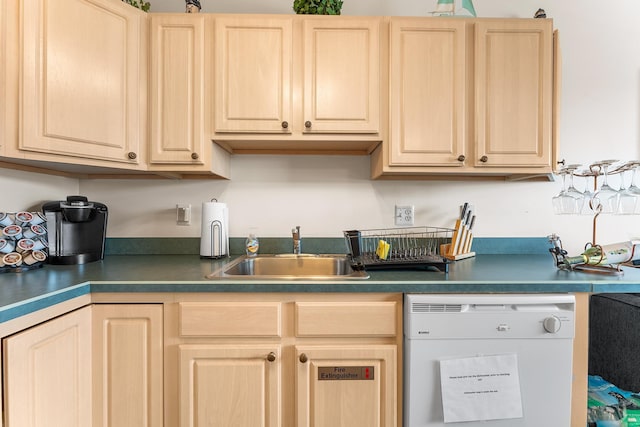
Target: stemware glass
{"x": 635, "y": 175}
{"x": 590, "y": 182}
{"x": 605, "y": 199}
{"x": 569, "y": 200}
{"x": 572, "y": 190}
{"x": 628, "y": 196}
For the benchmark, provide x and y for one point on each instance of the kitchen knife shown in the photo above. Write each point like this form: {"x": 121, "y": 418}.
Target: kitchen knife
{"x": 457, "y": 231}
{"x": 469, "y": 240}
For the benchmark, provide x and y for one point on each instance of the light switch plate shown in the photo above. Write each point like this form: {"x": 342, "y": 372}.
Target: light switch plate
{"x": 404, "y": 215}
{"x": 183, "y": 214}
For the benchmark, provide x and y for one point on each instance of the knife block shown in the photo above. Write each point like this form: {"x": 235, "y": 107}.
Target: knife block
{"x": 460, "y": 246}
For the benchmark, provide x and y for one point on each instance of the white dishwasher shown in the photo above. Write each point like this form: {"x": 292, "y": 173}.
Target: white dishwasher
{"x": 490, "y": 360}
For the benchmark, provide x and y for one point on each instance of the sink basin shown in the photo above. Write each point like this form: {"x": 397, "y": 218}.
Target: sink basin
{"x": 290, "y": 266}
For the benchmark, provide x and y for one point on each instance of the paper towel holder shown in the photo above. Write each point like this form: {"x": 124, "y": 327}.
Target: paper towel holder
{"x": 214, "y": 241}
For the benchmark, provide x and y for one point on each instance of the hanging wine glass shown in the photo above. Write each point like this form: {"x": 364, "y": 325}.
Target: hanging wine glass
{"x": 635, "y": 176}
{"x": 605, "y": 199}
{"x": 572, "y": 190}
{"x": 589, "y": 189}
{"x": 627, "y": 198}
{"x": 565, "y": 202}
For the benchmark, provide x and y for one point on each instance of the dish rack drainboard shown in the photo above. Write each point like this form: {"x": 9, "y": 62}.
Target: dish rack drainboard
{"x": 408, "y": 248}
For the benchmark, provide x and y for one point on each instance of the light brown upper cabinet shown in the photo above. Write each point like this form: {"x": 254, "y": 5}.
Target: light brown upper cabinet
{"x": 469, "y": 97}
{"x": 293, "y": 84}
{"x": 81, "y": 70}
{"x": 179, "y": 127}
{"x": 177, "y": 89}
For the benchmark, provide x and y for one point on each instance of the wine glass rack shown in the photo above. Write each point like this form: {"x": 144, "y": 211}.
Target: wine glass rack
{"x": 600, "y": 169}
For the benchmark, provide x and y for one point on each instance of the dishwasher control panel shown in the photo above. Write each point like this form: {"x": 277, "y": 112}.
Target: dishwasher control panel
{"x": 480, "y": 316}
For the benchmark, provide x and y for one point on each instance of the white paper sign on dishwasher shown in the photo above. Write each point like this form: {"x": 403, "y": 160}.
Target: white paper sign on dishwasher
{"x": 480, "y": 388}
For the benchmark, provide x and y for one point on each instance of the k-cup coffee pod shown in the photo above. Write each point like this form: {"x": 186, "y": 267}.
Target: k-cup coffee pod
{"x": 6, "y": 246}
{"x": 34, "y": 257}
{"x": 23, "y": 218}
{"x": 24, "y": 245}
{"x": 34, "y": 231}
{"x": 5, "y": 219}
{"x": 40, "y": 243}
{"x": 12, "y": 231}
{"x": 38, "y": 218}
{"x": 12, "y": 259}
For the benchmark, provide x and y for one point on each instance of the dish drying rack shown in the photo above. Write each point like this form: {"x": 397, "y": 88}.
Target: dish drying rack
{"x": 406, "y": 248}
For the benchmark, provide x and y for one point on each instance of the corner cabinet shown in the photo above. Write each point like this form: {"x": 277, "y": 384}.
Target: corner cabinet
{"x": 297, "y": 83}
{"x": 469, "y": 97}
{"x": 100, "y": 365}
{"x": 278, "y": 360}
{"x": 47, "y": 373}
{"x": 81, "y": 70}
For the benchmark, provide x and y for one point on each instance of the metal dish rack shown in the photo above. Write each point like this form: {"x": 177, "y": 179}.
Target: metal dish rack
{"x": 409, "y": 248}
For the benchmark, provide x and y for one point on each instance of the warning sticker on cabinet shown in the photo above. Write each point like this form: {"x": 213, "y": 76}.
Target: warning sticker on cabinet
{"x": 340, "y": 373}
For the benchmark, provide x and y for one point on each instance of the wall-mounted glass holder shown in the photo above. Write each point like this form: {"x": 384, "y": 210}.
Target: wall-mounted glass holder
{"x": 601, "y": 199}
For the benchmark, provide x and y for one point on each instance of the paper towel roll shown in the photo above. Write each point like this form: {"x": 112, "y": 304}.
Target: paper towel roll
{"x": 214, "y": 235}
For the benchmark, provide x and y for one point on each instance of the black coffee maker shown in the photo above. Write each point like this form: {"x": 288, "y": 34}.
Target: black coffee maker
{"x": 76, "y": 230}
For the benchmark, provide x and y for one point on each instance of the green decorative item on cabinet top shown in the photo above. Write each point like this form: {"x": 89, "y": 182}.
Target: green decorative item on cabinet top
{"x": 317, "y": 7}
{"x": 140, "y": 4}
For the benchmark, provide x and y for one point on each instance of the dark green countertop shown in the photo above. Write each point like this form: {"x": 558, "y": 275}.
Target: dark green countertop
{"x": 22, "y": 293}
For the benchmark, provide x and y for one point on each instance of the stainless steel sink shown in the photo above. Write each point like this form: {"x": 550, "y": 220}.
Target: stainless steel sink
{"x": 290, "y": 267}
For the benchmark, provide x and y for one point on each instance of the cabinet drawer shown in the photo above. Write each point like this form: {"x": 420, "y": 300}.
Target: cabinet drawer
{"x": 316, "y": 319}
{"x": 259, "y": 319}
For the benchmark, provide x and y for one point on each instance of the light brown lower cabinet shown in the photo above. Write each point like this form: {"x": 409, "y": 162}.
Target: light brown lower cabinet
{"x": 224, "y": 385}
{"x": 100, "y": 365}
{"x": 343, "y": 386}
{"x": 186, "y": 360}
{"x": 283, "y": 360}
{"x": 47, "y": 373}
{"x": 127, "y": 365}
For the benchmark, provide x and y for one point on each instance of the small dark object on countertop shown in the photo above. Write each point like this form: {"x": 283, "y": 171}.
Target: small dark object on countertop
{"x": 540, "y": 13}
{"x": 193, "y": 6}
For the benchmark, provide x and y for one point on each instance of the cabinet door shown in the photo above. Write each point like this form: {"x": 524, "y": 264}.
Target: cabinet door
{"x": 81, "y": 79}
{"x": 127, "y": 362}
{"x": 427, "y": 92}
{"x": 514, "y": 92}
{"x": 346, "y": 386}
{"x": 8, "y": 96}
{"x": 48, "y": 373}
{"x": 177, "y": 90}
{"x": 253, "y": 74}
{"x": 230, "y": 385}
{"x": 341, "y": 75}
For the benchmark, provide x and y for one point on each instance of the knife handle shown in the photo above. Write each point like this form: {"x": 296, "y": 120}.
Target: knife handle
{"x": 455, "y": 239}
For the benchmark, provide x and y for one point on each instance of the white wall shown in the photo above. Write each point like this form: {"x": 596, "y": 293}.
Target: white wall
{"x": 325, "y": 195}
{"x": 27, "y": 191}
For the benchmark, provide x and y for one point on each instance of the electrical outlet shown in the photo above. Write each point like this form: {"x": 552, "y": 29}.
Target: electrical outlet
{"x": 404, "y": 215}
{"x": 183, "y": 214}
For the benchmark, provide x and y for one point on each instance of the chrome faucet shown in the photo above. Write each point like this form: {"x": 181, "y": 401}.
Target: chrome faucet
{"x": 297, "y": 246}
